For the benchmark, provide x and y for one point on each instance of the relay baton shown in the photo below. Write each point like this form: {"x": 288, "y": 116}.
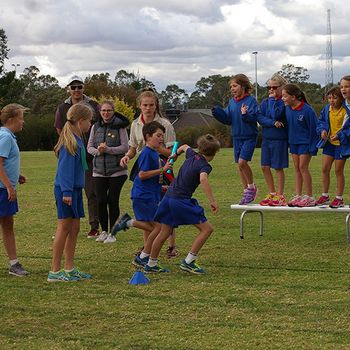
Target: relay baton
{"x": 173, "y": 151}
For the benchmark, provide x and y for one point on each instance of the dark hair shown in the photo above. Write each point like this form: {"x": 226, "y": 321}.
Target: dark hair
{"x": 346, "y": 77}
{"x": 150, "y": 128}
{"x": 208, "y": 145}
{"x": 335, "y": 91}
{"x": 294, "y": 90}
{"x": 243, "y": 80}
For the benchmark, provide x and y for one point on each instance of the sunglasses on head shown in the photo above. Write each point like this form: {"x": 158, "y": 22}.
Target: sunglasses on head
{"x": 76, "y": 87}
{"x": 272, "y": 87}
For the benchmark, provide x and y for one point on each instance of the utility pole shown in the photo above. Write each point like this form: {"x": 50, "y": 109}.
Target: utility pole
{"x": 15, "y": 66}
{"x": 255, "y": 53}
{"x": 329, "y": 55}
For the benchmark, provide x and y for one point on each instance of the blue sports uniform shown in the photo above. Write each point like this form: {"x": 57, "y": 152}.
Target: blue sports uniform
{"x": 302, "y": 136}
{"x": 178, "y": 207}
{"x": 9, "y": 151}
{"x": 243, "y": 127}
{"x": 70, "y": 180}
{"x": 145, "y": 194}
{"x": 274, "y": 147}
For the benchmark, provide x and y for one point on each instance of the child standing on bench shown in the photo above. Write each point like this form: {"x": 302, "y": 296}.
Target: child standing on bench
{"x": 241, "y": 113}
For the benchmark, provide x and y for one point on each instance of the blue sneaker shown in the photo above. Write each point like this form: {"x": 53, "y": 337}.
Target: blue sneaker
{"x": 60, "y": 276}
{"x": 78, "y": 274}
{"x": 138, "y": 262}
{"x": 155, "y": 269}
{"x": 192, "y": 267}
{"x": 121, "y": 224}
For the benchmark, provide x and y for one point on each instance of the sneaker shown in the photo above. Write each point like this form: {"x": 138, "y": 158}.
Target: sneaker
{"x": 266, "y": 201}
{"x": 102, "y": 236}
{"x": 337, "y": 203}
{"x": 121, "y": 224}
{"x": 79, "y": 275}
{"x": 60, "y": 276}
{"x": 138, "y": 262}
{"x": 18, "y": 270}
{"x": 294, "y": 200}
{"x": 93, "y": 234}
{"x": 154, "y": 269}
{"x": 323, "y": 200}
{"x": 249, "y": 195}
{"x": 110, "y": 239}
{"x": 306, "y": 201}
{"x": 278, "y": 201}
{"x": 193, "y": 267}
{"x": 172, "y": 252}
{"x": 138, "y": 251}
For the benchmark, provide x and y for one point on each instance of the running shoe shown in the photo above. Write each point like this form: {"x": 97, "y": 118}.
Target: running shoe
{"x": 78, "y": 274}
{"x": 60, "y": 276}
{"x": 278, "y": 201}
{"x": 110, "y": 239}
{"x": 138, "y": 262}
{"x": 249, "y": 195}
{"x": 267, "y": 200}
{"x": 155, "y": 269}
{"x": 337, "y": 203}
{"x": 121, "y": 224}
{"x": 18, "y": 270}
{"x": 93, "y": 234}
{"x": 193, "y": 267}
{"x": 172, "y": 252}
{"x": 306, "y": 201}
{"x": 323, "y": 200}
{"x": 294, "y": 200}
{"x": 102, "y": 236}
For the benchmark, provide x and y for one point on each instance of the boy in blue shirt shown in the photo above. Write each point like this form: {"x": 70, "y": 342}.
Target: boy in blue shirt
{"x": 11, "y": 117}
{"x": 179, "y": 208}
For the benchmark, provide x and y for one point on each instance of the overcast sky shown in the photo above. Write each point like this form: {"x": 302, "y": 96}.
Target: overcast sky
{"x": 175, "y": 41}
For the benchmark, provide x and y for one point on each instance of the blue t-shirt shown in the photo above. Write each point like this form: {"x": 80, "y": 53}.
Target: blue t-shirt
{"x": 10, "y": 152}
{"x": 147, "y": 189}
{"x": 188, "y": 179}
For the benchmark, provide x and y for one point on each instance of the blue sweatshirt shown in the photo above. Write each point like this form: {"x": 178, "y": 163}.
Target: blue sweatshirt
{"x": 302, "y": 126}
{"x": 271, "y": 111}
{"x": 242, "y": 126}
{"x": 70, "y": 172}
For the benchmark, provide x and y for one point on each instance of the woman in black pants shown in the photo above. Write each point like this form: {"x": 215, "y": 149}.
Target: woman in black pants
{"x": 108, "y": 143}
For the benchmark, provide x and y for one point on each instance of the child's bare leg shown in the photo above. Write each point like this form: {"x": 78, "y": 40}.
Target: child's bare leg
{"x": 339, "y": 173}
{"x": 71, "y": 243}
{"x": 246, "y": 171}
{"x": 268, "y": 178}
{"x": 327, "y": 162}
{"x": 297, "y": 173}
{"x": 158, "y": 242}
{"x": 205, "y": 230}
{"x": 8, "y": 233}
{"x": 280, "y": 180}
{"x": 243, "y": 178}
{"x": 62, "y": 231}
{"x": 305, "y": 173}
{"x": 154, "y": 233}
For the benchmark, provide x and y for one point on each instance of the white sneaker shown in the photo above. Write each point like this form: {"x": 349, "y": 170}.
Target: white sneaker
{"x": 102, "y": 236}
{"x": 110, "y": 239}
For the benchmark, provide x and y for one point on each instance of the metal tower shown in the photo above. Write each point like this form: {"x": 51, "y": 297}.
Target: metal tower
{"x": 329, "y": 55}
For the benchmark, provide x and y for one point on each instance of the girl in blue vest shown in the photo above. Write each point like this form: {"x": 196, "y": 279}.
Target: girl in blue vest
{"x": 241, "y": 114}
{"x": 69, "y": 182}
{"x": 332, "y": 127}
{"x": 302, "y": 138}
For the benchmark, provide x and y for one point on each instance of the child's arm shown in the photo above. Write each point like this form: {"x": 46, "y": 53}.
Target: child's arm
{"x": 203, "y": 177}
{"x": 145, "y": 175}
{"x": 221, "y": 115}
{"x": 5, "y": 180}
{"x": 182, "y": 149}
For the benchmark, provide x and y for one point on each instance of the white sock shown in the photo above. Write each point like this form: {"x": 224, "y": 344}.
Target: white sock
{"x": 251, "y": 185}
{"x": 190, "y": 257}
{"x": 13, "y": 262}
{"x": 143, "y": 255}
{"x": 130, "y": 223}
{"x": 325, "y": 194}
{"x": 152, "y": 262}
{"x": 339, "y": 197}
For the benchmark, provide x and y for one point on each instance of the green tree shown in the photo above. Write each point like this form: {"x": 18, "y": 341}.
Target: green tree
{"x": 294, "y": 74}
{"x": 173, "y": 96}
{"x": 3, "y": 50}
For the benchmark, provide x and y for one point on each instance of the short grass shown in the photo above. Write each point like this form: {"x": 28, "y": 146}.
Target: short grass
{"x": 286, "y": 290}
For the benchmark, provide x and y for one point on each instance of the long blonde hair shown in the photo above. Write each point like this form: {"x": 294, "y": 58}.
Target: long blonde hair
{"x": 67, "y": 139}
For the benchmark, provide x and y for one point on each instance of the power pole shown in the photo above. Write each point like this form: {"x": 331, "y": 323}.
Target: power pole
{"x": 329, "y": 55}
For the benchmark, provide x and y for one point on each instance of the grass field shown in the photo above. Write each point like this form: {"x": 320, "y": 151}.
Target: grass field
{"x": 286, "y": 290}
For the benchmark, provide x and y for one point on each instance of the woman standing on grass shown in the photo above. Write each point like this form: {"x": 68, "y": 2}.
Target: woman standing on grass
{"x": 69, "y": 182}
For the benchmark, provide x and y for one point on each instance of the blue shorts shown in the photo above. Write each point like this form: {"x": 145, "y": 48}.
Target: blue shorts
{"x": 274, "y": 153}
{"x": 64, "y": 211}
{"x": 144, "y": 210}
{"x": 179, "y": 211}
{"x": 301, "y": 149}
{"x": 7, "y": 208}
{"x": 333, "y": 151}
{"x": 244, "y": 149}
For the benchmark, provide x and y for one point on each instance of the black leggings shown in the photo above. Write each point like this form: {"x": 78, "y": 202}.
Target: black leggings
{"x": 108, "y": 192}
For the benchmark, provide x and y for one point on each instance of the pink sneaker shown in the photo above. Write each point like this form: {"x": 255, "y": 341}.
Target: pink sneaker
{"x": 337, "y": 203}
{"x": 306, "y": 201}
{"x": 278, "y": 201}
{"x": 294, "y": 200}
{"x": 266, "y": 201}
{"x": 323, "y": 200}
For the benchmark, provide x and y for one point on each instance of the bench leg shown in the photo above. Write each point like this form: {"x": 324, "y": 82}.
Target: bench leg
{"x": 347, "y": 228}
{"x": 241, "y": 222}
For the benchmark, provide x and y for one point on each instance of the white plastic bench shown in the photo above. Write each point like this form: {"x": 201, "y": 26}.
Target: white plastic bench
{"x": 256, "y": 208}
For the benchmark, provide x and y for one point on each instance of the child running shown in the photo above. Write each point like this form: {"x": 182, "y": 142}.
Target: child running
{"x": 179, "y": 208}
{"x": 274, "y": 147}
{"x": 302, "y": 138}
{"x": 330, "y": 128}
{"x": 69, "y": 182}
{"x": 241, "y": 114}
{"x": 11, "y": 117}
{"x": 146, "y": 190}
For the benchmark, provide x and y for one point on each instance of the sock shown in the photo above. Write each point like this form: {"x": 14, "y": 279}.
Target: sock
{"x": 273, "y": 193}
{"x": 152, "y": 262}
{"x": 339, "y": 197}
{"x": 69, "y": 270}
{"x": 251, "y": 186}
{"x": 55, "y": 273}
{"x": 143, "y": 255}
{"x": 190, "y": 257}
{"x": 325, "y": 194}
{"x": 130, "y": 223}
{"x": 13, "y": 262}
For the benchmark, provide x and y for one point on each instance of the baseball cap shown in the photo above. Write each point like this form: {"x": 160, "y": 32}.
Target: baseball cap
{"x": 75, "y": 78}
